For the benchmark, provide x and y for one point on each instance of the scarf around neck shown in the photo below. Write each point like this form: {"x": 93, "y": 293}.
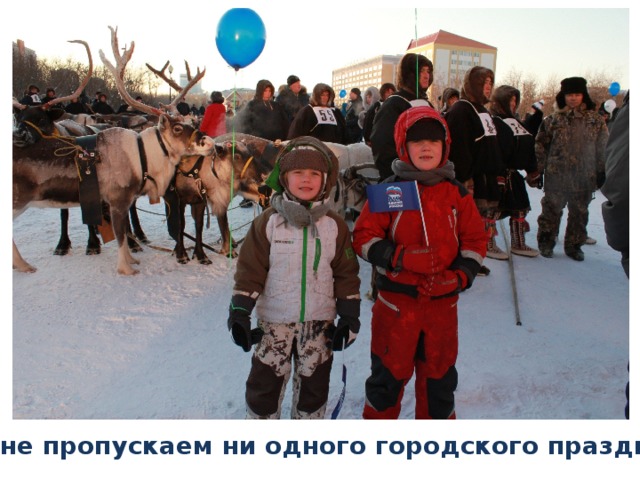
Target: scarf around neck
{"x": 297, "y": 214}
{"x": 407, "y": 171}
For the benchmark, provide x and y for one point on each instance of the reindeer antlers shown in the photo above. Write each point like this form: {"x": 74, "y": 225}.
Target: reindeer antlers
{"x": 118, "y": 74}
{"x": 182, "y": 91}
{"x": 161, "y": 74}
{"x": 83, "y": 84}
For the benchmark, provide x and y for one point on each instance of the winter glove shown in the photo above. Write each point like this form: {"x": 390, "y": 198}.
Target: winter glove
{"x": 239, "y": 322}
{"x": 534, "y": 179}
{"x": 600, "y": 178}
{"x": 444, "y": 284}
{"x": 416, "y": 259}
{"x": 345, "y": 333}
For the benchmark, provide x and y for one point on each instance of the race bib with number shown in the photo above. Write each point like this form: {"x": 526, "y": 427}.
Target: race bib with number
{"x": 487, "y": 124}
{"x": 516, "y": 127}
{"x": 325, "y": 116}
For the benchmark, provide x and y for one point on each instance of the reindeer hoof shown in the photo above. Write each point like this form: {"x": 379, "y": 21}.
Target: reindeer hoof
{"x": 25, "y": 268}
{"x": 143, "y": 238}
{"x": 134, "y": 246}
{"x": 205, "y": 261}
{"x": 183, "y": 260}
{"x": 92, "y": 251}
{"x": 61, "y": 250}
{"x": 129, "y": 271}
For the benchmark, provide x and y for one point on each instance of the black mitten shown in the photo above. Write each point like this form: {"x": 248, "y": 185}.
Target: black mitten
{"x": 239, "y": 321}
{"x": 346, "y": 331}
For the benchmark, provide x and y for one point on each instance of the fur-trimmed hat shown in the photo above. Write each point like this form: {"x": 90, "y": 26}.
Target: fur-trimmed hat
{"x": 473, "y": 84}
{"x": 291, "y": 79}
{"x": 574, "y": 85}
{"x": 501, "y": 101}
{"x": 409, "y": 66}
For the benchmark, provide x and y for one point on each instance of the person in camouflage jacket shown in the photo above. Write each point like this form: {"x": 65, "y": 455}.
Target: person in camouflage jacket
{"x": 570, "y": 151}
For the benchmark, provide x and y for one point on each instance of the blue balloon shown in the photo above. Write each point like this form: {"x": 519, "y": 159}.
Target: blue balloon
{"x": 343, "y": 93}
{"x": 240, "y": 37}
{"x": 614, "y": 89}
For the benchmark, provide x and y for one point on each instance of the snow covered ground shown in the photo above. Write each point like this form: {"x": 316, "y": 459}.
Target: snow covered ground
{"x": 91, "y": 344}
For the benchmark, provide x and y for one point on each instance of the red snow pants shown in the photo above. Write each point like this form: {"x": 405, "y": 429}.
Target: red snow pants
{"x": 410, "y": 335}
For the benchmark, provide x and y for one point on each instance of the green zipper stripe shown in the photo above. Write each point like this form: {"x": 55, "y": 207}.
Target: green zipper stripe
{"x": 303, "y": 280}
{"x": 316, "y": 258}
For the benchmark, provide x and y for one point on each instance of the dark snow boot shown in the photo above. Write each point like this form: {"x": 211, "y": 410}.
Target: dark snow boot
{"x": 574, "y": 252}
{"x": 546, "y": 244}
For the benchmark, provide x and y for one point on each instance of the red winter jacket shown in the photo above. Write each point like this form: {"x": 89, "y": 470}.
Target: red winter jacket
{"x": 454, "y": 227}
{"x": 213, "y": 123}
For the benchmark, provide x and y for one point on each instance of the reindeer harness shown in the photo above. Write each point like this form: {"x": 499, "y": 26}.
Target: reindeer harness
{"x": 143, "y": 159}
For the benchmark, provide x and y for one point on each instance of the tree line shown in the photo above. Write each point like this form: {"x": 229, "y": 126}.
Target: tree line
{"x": 64, "y": 77}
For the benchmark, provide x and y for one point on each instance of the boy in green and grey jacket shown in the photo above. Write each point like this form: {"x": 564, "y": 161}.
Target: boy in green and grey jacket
{"x": 299, "y": 270}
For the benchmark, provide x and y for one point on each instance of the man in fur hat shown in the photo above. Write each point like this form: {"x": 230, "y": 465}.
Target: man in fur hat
{"x": 570, "y": 150}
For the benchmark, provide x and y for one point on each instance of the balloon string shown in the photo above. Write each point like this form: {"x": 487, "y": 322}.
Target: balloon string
{"x": 233, "y": 157}
{"x": 415, "y": 24}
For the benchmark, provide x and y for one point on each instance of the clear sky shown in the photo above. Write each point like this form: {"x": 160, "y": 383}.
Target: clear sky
{"x": 310, "y": 41}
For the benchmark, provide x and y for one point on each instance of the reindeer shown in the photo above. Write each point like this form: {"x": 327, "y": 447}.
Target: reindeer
{"x": 202, "y": 181}
{"x": 128, "y": 165}
{"x": 253, "y": 160}
{"x": 357, "y": 169}
{"x": 206, "y": 181}
{"x": 34, "y": 123}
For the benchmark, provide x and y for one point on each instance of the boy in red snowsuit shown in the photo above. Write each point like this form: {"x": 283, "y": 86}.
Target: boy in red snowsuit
{"x": 415, "y": 320}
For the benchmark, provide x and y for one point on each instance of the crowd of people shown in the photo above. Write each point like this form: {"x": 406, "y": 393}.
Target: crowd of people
{"x": 471, "y": 163}
{"x": 298, "y": 265}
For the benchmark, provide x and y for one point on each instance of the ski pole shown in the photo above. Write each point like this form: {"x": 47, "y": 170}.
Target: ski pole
{"x": 338, "y": 407}
{"x": 513, "y": 274}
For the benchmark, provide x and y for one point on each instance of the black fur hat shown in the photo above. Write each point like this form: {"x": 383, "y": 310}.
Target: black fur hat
{"x": 574, "y": 85}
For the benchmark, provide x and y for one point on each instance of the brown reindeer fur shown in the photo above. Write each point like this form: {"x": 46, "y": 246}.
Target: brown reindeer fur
{"x": 43, "y": 178}
{"x": 214, "y": 179}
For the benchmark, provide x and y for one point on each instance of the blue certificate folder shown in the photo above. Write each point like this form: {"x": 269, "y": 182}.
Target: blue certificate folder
{"x": 393, "y": 197}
